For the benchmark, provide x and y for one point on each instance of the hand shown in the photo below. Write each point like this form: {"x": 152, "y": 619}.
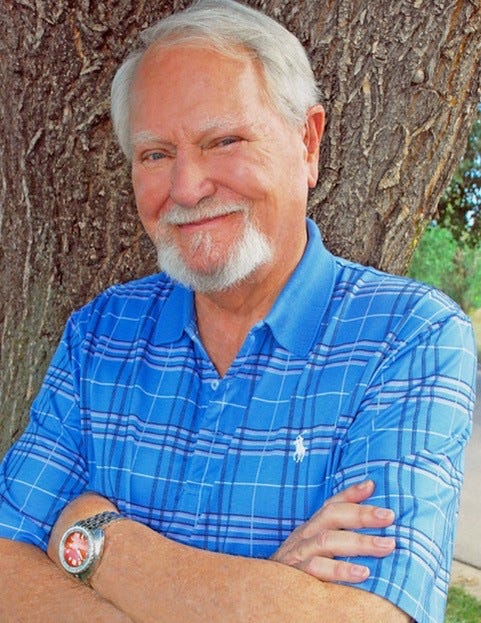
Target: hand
{"x": 329, "y": 533}
{"x": 84, "y": 506}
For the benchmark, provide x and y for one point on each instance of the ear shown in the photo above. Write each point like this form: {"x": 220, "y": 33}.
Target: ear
{"x": 313, "y": 131}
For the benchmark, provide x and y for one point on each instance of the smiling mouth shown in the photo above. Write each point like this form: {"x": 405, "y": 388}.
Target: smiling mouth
{"x": 205, "y": 221}
{"x": 186, "y": 219}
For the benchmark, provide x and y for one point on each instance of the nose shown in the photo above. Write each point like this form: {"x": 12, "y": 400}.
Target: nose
{"x": 190, "y": 180}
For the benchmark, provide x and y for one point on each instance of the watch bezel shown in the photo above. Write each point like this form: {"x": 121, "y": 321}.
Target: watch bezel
{"x": 94, "y": 539}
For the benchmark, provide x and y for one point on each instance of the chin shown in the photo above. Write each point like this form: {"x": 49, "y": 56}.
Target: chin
{"x": 245, "y": 256}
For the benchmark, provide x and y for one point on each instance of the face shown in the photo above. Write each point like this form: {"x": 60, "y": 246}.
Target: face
{"x": 220, "y": 179}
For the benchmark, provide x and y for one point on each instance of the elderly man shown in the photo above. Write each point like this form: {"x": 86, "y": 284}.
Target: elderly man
{"x": 207, "y": 439}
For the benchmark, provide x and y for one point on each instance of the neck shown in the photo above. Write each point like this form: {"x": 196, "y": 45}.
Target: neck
{"x": 225, "y": 318}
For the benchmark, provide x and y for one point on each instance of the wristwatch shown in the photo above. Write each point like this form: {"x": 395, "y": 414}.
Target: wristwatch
{"x": 82, "y": 544}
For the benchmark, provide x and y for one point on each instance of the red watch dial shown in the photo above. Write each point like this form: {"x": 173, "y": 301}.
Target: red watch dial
{"x": 76, "y": 549}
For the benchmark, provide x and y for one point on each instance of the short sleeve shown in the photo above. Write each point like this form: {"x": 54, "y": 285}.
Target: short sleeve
{"x": 46, "y": 467}
{"x": 409, "y": 436}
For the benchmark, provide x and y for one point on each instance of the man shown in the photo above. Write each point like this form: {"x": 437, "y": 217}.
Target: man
{"x": 240, "y": 408}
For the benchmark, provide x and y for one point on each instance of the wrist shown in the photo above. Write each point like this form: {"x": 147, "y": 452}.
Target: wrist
{"x": 82, "y": 544}
{"x": 82, "y": 507}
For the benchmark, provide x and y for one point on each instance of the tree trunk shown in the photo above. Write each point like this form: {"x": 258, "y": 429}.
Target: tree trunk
{"x": 400, "y": 83}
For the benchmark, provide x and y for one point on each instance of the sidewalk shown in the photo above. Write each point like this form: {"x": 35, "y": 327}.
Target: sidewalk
{"x": 467, "y": 577}
{"x": 467, "y": 564}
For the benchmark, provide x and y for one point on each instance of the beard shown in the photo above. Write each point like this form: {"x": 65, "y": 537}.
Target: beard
{"x": 249, "y": 251}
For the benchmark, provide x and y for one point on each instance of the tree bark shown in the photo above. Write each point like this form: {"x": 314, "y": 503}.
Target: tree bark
{"x": 400, "y": 83}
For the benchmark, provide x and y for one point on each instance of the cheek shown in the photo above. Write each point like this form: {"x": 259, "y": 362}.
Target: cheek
{"x": 150, "y": 193}
{"x": 251, "y": 180}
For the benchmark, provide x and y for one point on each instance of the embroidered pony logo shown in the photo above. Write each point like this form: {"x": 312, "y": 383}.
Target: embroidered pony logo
{"x": 299, "y": 449}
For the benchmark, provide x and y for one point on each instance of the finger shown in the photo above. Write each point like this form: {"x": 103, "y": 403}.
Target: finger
{"x": 355, "y": 493}
{"x": 347, "y": 516}
{"x": 351, "y": 516}
{"x": 335, "y": 570}
{"x": 338, "y": 543}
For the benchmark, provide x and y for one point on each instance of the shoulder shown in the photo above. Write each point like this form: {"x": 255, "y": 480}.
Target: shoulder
{"x": 368, "y": 288}
{"x": 392, "y": 314}
{"x": 132, "y": 293}
{"x": 123, "y": 305}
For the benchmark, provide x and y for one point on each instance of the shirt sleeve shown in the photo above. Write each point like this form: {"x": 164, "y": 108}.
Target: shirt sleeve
{"x": 46, "y": 467}
{"x": 409, "y": 436}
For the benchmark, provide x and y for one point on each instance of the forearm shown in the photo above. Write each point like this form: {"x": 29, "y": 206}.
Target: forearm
{"x": 154, "y": 579}
{"x": 33, "y": 590}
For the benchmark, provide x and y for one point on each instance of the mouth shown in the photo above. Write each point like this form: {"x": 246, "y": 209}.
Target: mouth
{"x": 193, "y": 220}
{"x": 206, "y": 222}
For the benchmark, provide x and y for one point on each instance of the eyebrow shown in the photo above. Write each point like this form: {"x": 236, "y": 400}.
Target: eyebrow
{"x": 145, "y": 136}
{"x": 214, "y": 125}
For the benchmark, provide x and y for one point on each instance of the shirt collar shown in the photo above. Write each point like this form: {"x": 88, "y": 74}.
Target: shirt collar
{"x": 296, "y": 315}
{"x": 177, "y": 314}
{"x": 297, "y": 312}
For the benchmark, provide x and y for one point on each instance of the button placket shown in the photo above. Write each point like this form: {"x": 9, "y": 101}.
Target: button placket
{"x": 215, "y": 432}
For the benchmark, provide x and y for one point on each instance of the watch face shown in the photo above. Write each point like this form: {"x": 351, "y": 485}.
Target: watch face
{"x": 76, "y": 550}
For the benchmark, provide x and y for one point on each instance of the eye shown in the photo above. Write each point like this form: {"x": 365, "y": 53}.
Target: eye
{"x": 229, "y": 140}
{"x": 226, "y": 141}
{"x": 153, "y": 158}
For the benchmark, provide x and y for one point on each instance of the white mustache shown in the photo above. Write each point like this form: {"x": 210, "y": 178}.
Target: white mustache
{"x": 178, "y": 215}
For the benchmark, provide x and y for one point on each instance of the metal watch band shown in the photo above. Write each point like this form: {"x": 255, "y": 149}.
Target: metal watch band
{"x": 94, "y": 525}
{"x": 99, "y": 520}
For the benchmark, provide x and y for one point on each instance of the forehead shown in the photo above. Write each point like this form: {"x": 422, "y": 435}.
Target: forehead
{"x": 199, "y": 53}
{"x": 187, "y": 80}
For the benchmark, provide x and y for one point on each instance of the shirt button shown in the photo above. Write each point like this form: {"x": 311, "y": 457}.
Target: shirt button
{"x": 214, "y": 384}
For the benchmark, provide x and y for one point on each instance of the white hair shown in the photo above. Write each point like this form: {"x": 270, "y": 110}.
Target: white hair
{"x": 226, "y": 25}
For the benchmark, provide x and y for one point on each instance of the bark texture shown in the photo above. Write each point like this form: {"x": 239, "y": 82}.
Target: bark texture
{"x": 400, "y": 83}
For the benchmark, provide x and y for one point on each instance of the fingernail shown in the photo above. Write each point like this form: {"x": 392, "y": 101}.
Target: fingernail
{"x": 384, "y": 513}
{"x": 360, "y": 573}
{"x": 384, "y": 542}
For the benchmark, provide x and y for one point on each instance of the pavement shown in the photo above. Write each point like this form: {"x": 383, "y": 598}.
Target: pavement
{"x": 468, "y": 577}
{"x": 467, "y": 564}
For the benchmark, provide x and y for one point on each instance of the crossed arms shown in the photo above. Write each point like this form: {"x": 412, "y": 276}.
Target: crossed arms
{"x": 144, "y": 577}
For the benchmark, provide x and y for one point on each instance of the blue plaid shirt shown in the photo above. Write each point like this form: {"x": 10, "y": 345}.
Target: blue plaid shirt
{"x": 353, "y": 374}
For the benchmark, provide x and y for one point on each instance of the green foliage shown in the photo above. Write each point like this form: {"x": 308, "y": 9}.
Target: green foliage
{"x": 476, "y": 320}
{"x": 449, "y": 255}
{"x": 433, "y": 256}
{"x": 462, "y": 608}
{"x": 459, "y": 209}
{"x": 450, "y": 265}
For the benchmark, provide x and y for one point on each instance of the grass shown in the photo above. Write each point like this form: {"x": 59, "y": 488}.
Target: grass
{"x": 462, "y": 607}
